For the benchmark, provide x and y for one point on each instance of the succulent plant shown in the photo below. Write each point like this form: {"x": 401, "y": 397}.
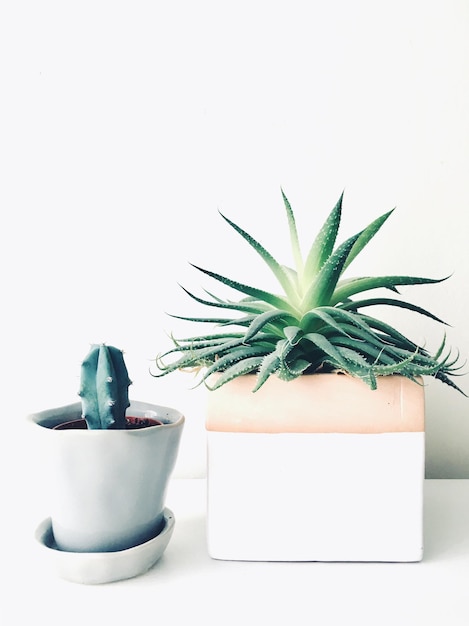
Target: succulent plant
{"x": 104, "y": 388}
{"x": 313, "y": 325}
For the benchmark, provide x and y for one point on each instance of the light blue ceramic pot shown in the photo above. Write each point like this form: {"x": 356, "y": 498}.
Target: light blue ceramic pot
{"x": 108, "y": 487}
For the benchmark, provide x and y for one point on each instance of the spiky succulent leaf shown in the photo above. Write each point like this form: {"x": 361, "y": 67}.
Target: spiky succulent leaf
{"x": 268, "y": 318}
{"x": 322, "y": 287}
{"x": 259, "y": 294}
{"x": 361, "y": 304}
{"x": 350, "y": 288}
{"x": 313, "y": 323}
{"x": 240, "y": 368}
{"x": 294, "y": 240}
{"x": 365, "y": 236}
{"x": 248, "y": 306}
{"x": 277, "y": 269}
{"x": 269, "y": 366}
{"x": 323, "y": 245}
{"x": 235, "y": 356}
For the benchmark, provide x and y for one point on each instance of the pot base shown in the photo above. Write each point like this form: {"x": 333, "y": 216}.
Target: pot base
{"x": 104, "y": 567}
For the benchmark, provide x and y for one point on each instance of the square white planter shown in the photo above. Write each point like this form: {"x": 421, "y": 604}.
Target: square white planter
{"x": 354, "y": 494}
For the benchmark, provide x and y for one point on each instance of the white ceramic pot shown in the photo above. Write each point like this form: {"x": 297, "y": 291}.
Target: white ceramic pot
{"x": 108, "y": 487}
{"x": 316, "y": 469}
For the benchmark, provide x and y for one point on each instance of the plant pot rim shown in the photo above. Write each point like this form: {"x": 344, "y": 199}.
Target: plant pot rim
{"x": 51, "y": 417}
{"x": 81, "y": 424}
{"x": 317, "y": 403}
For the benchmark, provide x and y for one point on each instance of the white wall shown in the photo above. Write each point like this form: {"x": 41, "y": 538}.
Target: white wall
{"x": 126, "y": 125}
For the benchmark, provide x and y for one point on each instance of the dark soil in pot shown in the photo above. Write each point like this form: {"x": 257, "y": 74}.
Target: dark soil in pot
{"x": 133, "y": 423}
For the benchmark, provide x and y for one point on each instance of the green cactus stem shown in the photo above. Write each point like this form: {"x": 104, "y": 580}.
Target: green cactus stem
{"x": 104, "y": 388}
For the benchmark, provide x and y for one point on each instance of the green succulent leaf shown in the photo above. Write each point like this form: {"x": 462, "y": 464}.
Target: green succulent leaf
{"x": 323, "y": 245}
{"x": 349, "y": 288}
{"x": 328, "y": 348}
{"x": 277, "y": 269}
{"x": 235, "y": 356}
{"x": 240, "y": 368}
{"x": 365, "y": 236}
{"x": 360, "y": 304}
{"x": 195, "y": 354}
{"x": 322, "y": 286}
{"x": 315, "y": 324}
{"x": 293, "y": 334}
{"x": 220, "y": 321}
{"x": 259, "y": 294}
{"x": 260, "y": 321}
{"x": 246, "y": 306}
{"x": 294, "y": 240}
{"x": 269, "y": 365}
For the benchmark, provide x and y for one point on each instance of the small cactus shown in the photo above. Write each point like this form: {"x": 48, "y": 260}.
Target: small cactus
{"x": 104, "y": 388}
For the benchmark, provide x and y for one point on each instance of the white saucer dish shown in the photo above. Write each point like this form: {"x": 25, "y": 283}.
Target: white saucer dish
{"x": 92, "y": 568}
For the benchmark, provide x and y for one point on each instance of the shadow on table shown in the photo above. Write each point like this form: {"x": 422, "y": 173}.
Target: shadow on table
{"x": 446, "y": 520}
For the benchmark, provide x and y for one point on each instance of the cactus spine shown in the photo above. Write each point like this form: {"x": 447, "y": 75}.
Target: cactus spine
{"x": 104, "y": 388}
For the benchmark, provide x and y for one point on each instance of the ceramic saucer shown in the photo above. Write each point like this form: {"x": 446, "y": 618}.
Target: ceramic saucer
{"x": 104, "y": 567}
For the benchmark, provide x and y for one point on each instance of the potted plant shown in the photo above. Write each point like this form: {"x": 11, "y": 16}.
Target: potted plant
{"x": 110, "y": 464}
{"x": 315, "y": 417}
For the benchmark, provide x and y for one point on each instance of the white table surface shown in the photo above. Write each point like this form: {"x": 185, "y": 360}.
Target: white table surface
{"x": 187, "y": 586}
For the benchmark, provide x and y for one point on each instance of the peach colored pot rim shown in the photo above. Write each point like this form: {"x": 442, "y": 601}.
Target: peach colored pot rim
{"x": 317, "y": 403}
